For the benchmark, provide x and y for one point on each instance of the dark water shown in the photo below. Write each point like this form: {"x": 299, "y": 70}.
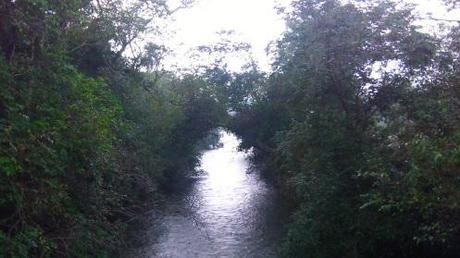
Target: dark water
{"x": 227, "y": 212}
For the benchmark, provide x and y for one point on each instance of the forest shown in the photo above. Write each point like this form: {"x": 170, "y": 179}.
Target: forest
{"x": 357, "y": 124}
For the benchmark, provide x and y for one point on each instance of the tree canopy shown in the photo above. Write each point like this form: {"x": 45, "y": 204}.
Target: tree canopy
{"x": 360, "y": 122}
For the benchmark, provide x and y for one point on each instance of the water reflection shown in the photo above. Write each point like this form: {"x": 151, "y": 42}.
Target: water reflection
{"x": 228, "y": 212}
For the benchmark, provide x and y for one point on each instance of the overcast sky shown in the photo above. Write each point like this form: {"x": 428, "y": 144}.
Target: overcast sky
{"x": 254, "y": 21}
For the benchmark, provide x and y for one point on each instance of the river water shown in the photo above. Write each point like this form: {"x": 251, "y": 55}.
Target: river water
{"x": 228, "y": 211}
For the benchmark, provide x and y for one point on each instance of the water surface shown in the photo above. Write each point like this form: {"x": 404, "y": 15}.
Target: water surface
{"x": 228, "y": 211}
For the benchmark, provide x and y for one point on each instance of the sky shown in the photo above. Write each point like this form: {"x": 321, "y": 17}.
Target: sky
{"x": 253, "y": 21}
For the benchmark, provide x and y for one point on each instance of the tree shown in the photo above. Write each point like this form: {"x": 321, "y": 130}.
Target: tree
{"x": 344, "y": 131}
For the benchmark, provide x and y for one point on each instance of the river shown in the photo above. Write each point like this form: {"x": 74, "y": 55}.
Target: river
{"x": 228, "y": 211}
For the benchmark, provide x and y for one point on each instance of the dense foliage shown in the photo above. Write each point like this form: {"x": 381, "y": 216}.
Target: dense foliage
{"x": 361, "y": 119}
{"x": 86, "y": 136}
{"x": 359, "y": 122}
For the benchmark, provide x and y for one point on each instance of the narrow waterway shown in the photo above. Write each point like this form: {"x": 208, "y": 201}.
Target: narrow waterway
{"x": 229, "y": 211}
